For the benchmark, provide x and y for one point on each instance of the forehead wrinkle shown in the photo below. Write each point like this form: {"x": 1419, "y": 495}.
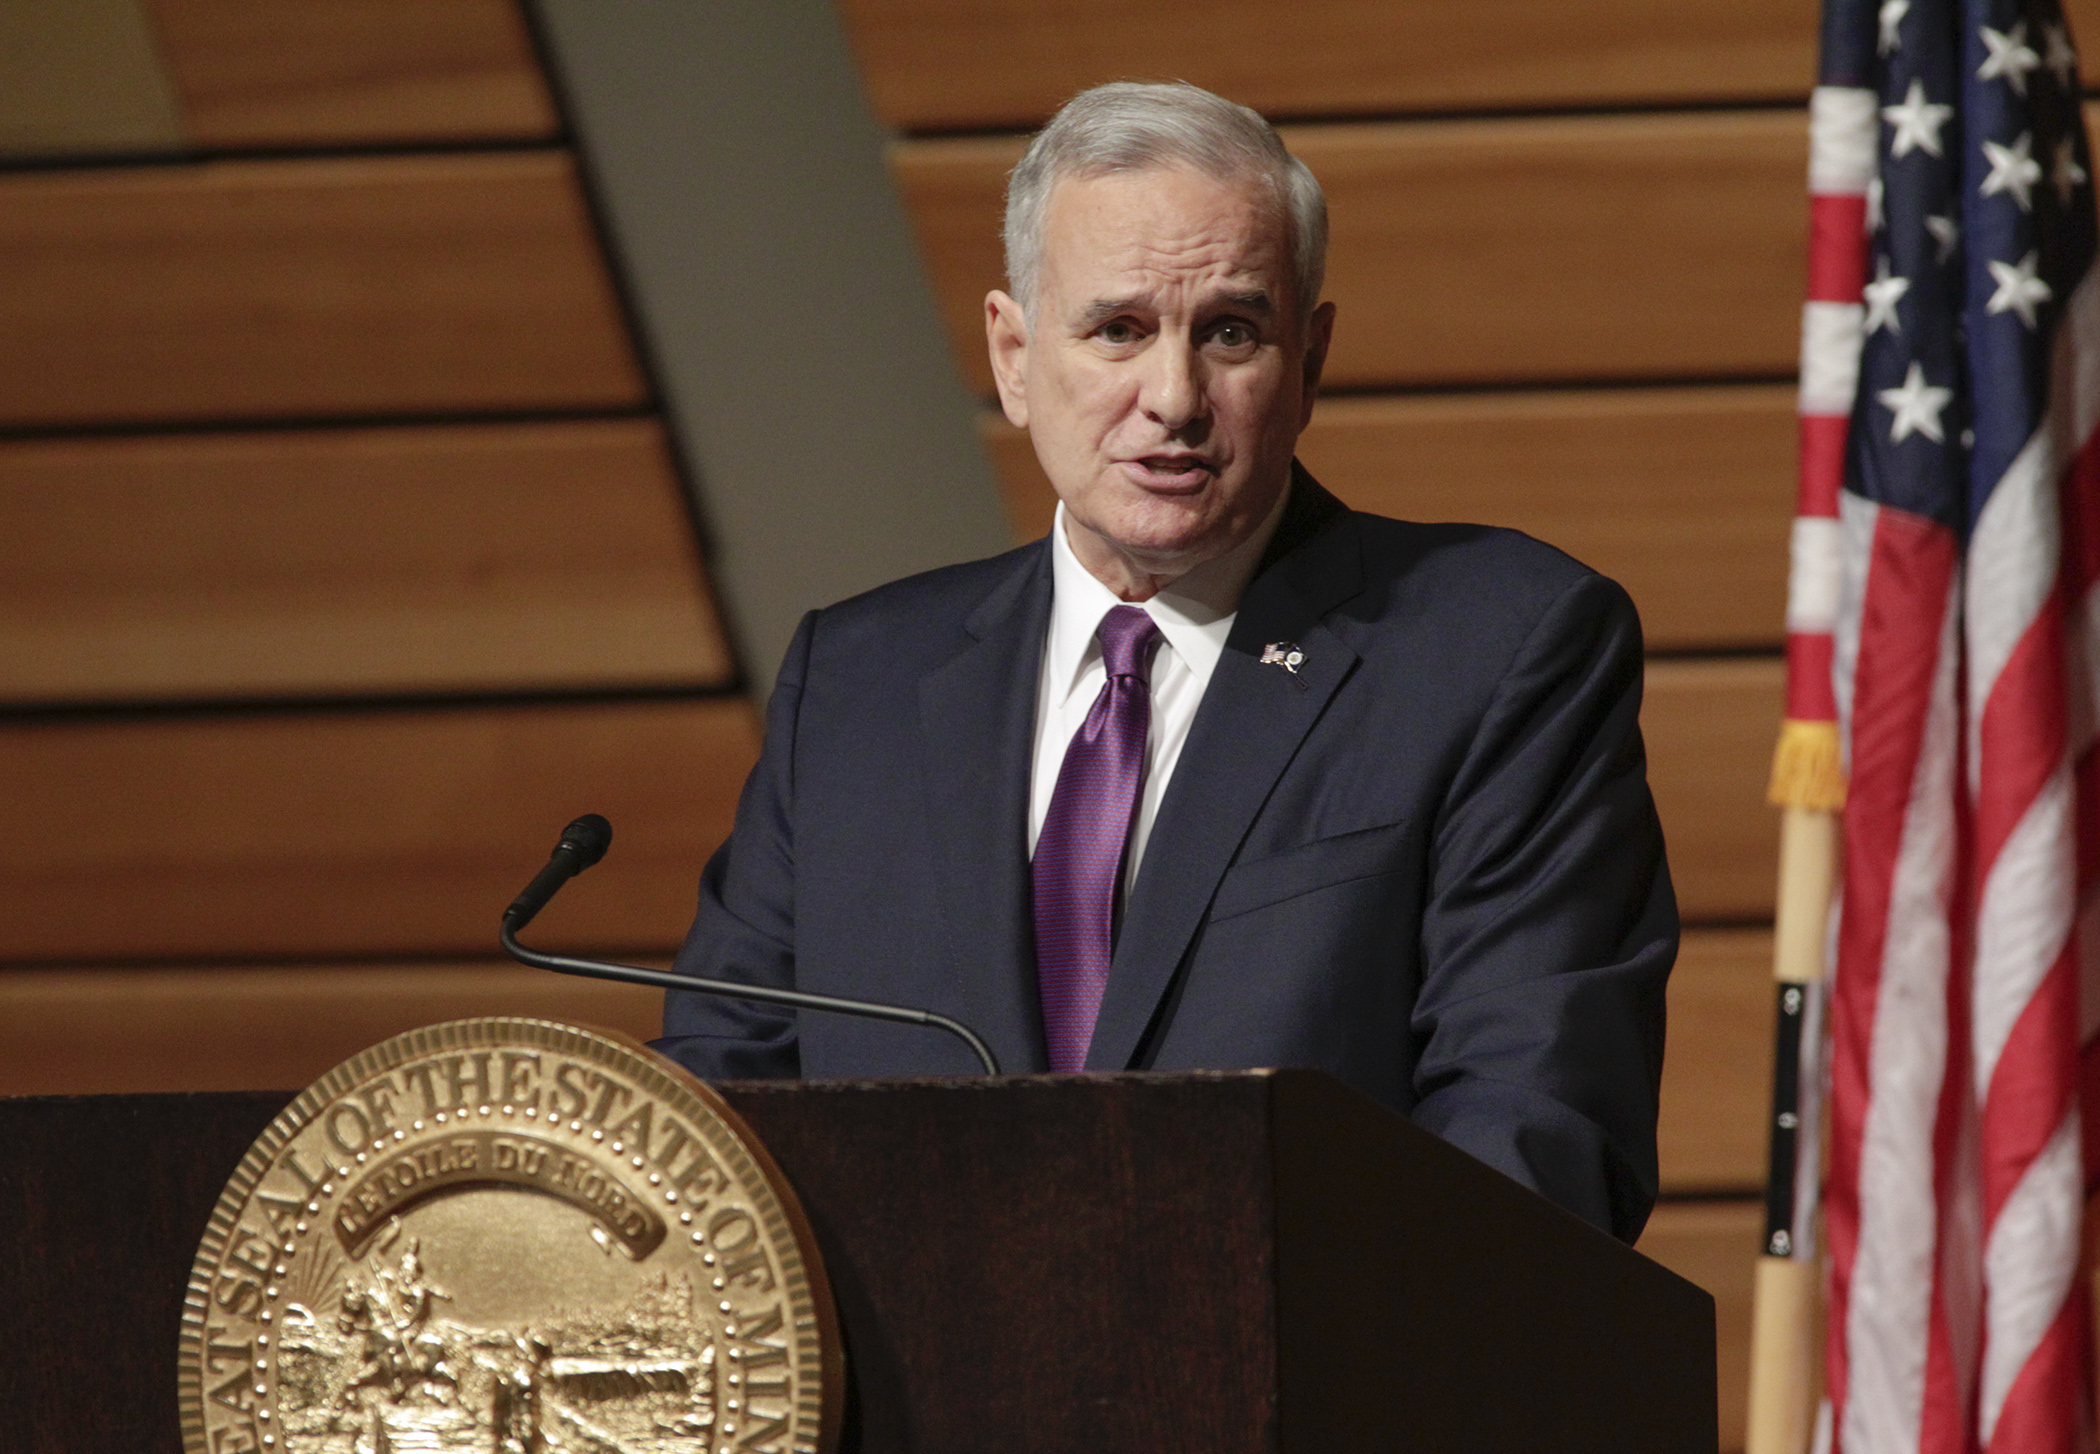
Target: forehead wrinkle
{"x": 1100, "y": 310}
{"x": 1109, "y": 245}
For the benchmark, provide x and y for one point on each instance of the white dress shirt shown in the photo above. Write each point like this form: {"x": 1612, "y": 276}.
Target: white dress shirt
{"x": 1194, "y": 616}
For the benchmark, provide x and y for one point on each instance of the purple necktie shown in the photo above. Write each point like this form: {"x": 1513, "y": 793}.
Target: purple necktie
{"x": 1079, "y": 854}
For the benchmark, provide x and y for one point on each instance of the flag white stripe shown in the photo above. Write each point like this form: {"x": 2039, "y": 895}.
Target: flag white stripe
{"x": 1830, "y": 338}
{"x": 2030, "y": 1262}
{"x": 1892, "y": 1273}
{"x": 1842, "y": 126}
{"x": 1857, "y": 519}
{"x": 1815, "y": 575}
{"x": 2011, "y": 570}
{"x": 2023, "y": 919}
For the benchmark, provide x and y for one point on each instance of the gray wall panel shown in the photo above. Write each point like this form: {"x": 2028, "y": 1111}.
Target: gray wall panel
{"x": 740, "y": 174}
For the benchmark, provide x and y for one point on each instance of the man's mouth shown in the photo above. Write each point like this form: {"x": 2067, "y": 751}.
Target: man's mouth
{"x": 1171, "y": 471}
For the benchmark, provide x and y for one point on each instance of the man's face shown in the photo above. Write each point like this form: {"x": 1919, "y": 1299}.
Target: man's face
{"x": 1167, "y": 372}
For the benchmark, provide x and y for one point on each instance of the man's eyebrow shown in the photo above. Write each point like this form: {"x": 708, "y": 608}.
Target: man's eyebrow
{"x": 1101, "y": 310}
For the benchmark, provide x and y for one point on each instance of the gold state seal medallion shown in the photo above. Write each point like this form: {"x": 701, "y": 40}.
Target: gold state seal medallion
{"x": 512, "y": 1236}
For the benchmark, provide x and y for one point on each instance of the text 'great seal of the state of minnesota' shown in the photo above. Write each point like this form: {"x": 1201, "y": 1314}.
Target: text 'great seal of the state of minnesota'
{"x": 511, "y": 1236}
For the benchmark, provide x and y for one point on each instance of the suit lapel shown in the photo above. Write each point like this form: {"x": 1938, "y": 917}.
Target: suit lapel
{"x": 1252, "y": 720}
{"x": 977, "y": 730}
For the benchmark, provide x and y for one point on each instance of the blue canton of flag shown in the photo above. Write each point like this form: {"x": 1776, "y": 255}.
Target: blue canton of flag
{"x": 1982, "y": 222}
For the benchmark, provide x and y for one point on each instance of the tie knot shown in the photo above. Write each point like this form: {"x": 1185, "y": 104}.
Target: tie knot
{"x": 1126, "y": 634}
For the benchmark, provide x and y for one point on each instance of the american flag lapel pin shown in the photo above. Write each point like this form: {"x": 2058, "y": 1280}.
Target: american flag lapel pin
{"x": 1284, "y": 654}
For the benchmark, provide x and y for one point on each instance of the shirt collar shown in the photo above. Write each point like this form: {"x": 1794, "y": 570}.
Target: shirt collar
{"x": 1194, "y": 614}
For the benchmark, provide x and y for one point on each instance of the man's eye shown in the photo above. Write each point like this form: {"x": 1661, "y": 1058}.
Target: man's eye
{"x": 1118, "y": 332}
{"x": 1233, "y": 336}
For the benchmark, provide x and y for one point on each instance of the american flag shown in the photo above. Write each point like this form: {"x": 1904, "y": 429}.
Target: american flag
{"x": 1951, "y": 383}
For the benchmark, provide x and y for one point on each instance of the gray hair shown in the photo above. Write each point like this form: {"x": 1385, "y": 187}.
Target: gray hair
{"x": 1129, "y": 126}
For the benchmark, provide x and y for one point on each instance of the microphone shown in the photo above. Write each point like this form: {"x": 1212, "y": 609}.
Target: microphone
{"x": 582, "y": 844}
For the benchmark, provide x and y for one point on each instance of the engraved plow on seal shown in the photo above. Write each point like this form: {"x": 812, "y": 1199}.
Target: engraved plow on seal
{"x": 513, "y": 1236}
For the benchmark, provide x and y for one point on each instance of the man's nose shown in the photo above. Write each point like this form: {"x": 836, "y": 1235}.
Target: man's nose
{"x": 1174, "y": 384}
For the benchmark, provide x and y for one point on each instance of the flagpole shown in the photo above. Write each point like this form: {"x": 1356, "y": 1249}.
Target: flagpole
{"x": 1783, "y": 1344}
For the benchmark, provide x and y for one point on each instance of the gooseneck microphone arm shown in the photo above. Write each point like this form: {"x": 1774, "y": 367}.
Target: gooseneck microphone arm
{"x": 582, "y": 844}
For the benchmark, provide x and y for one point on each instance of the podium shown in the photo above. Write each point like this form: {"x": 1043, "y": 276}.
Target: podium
{"x": 1167, "y": 1263}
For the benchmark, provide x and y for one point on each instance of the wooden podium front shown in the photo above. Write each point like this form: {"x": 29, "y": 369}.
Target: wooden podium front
{"x": 1171, "y": 1264}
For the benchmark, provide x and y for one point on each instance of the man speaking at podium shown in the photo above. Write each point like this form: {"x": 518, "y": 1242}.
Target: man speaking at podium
{"x": 1221, "y": 774}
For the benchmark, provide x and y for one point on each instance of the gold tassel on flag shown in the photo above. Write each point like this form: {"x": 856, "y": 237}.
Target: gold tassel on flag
{"x": 1806, "y": 771}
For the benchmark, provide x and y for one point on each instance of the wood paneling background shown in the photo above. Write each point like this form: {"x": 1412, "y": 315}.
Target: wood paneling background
{"x": 96, "y": 1031}
{"x": 990, "y": 65}
{"x": 352, "y": 286}
{"x": 349, "y": 561}
{"x": 330, "y": 561}
{"x": 353, "y": 72}
{"x": 395, "y": 830}
{"x": 938, "y": 65}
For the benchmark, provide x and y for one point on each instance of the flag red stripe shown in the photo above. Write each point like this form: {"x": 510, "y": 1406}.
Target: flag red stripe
{"x": 1822, "y": 463}
{"x": 2032, "y": 1084}
{"x": 2021, "y": 732}
{"x": 1837, "y": 247}
{"x": 1809, "y": 695}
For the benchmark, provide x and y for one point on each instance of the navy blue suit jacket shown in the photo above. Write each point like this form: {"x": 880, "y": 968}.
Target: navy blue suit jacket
{"x": 1427, "y": 862}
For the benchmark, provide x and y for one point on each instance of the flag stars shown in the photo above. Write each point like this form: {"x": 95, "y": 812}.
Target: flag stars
{"x": 1882, "y": 295}
{"x": 1917, "y": 406}
{"x": 2067, "y": 174}
{"x": 2019, "y": 290}
{"x": 1892, "y": 13}
{"x": 1946, "y": 232}
{"x": 2010, "y": 58}
{"x": 1917, "y": 122}
{"x": 2062, "y": 59}
{"x": 2014, "y": 171}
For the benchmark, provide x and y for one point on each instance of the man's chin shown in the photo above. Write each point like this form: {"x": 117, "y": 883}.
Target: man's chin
{"x": 1163, "y": 546}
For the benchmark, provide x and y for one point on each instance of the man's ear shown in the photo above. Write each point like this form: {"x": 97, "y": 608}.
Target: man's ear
{"x": 1320, "y": 335}
{"x": 1006, "y": 338}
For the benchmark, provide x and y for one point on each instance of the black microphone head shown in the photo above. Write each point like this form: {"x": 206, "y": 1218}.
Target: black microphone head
{"x": 588, "y": 838}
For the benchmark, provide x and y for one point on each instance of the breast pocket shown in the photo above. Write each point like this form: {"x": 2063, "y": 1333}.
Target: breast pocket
{"x": 1310, "y": 867}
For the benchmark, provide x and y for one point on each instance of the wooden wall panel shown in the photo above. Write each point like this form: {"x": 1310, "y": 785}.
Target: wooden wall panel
{"x": 209, "y": 1028}
{"x": 406, "y": 284}
{"x": 251, "y": 73}
{"x": 349, "y": 834}
{"x": 472, "y": 558}
{"x": 358, "y": 833}
{"x": 1710, "y": 726}
{"x": 201, "y": 1027}
{"x": 983, "y": 64}
{"x": 1715, "y": 1244}
{"x": 1717, "y": 1073}
{"x": 1684, "y": 496}
{"x": 963, "y": 65}
{"x": 1571, "y": 248}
